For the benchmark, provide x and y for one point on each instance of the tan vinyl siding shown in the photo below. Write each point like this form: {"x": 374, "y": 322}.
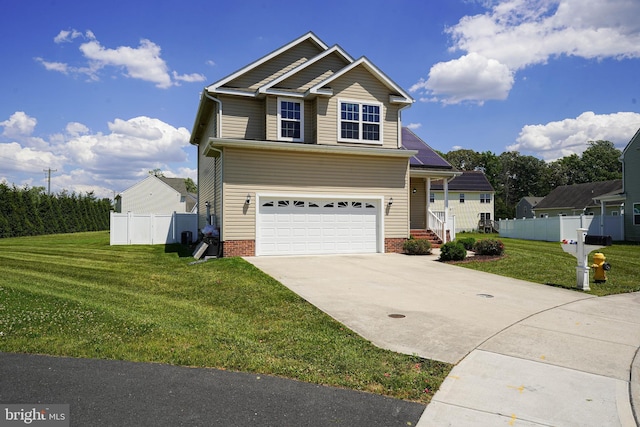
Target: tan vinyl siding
{"x": 261, "y": 171}
{"x": 271, "y": 103}
{"x": 242, "y": 118}
{"x": 276, "y": 67}
{"x": 357, "y": 85}
{"x": 206, "y": 170}
{"x": 313, "y": 74}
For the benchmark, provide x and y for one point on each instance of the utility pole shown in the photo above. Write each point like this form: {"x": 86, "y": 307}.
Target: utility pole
{"x": 48, "y": 171}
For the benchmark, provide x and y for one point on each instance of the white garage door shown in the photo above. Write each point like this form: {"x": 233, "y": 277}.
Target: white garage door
{"x": 316, "y": 226}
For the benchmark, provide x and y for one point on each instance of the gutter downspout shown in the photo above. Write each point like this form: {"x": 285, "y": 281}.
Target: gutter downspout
{"x": 400, "y": 124}
{"x": 218, "y": 134}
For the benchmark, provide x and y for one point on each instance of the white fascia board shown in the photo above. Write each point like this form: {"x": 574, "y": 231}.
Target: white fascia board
{"x": 226, "y": 91}
{"x": 433, "y": 173}
{"x": 218, "y": 143}
{"x": 631, "y": 141}
{"x": 308, "y": 36}
{"x": 404, "y": 98}
{"x": 335, "y": 49}
{"x": 285, "y": 93}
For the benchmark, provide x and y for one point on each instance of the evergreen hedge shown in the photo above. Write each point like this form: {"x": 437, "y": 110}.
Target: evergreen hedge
{"x": 31, "y": 212}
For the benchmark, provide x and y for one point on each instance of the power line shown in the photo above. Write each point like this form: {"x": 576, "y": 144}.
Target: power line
{"x": 48, "y": 171}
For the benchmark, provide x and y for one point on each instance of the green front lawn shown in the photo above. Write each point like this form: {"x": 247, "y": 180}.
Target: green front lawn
{"x": 74, "y": 295}
{"x": 546, "y": 263}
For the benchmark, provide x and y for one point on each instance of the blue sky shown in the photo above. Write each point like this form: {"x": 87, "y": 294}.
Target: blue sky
{"x": 102, "y": 92}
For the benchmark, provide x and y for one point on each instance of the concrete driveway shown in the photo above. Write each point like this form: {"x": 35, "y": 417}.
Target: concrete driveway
{"x": 526, "y": 354}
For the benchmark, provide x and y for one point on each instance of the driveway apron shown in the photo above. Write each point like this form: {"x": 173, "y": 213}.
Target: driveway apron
{"x": 526, "y": 354}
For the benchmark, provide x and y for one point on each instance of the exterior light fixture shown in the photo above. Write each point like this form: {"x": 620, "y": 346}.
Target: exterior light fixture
{"x": 248, "y": 200}
{"x": 415, "y": 190}
{"x": 390, "y": 201}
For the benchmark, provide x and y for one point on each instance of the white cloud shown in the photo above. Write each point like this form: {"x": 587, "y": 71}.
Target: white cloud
{"x": 189, "y": 78}
{"x": 65, "y": 36}
{"x": 554, "y": 140}
{"x": 99, "y": 162}
{"x": 414, "y": 126}
{"x": 19, "y": 124}
{"x": 76, "y": 129}
{"x": 142, "y": 62}
{"x": 521, "y": 33}
{"x": 472, "y": 78}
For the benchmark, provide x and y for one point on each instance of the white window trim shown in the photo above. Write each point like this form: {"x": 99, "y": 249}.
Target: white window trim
{"x": 279, "y": 118}
{"x": 359, "y": 140}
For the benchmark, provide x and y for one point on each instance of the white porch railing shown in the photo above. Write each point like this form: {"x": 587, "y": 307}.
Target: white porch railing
{"x": 436, "y": 224}
{"x": 439, "y": 227}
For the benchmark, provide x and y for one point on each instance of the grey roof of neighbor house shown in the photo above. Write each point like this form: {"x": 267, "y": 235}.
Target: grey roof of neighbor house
{"x": 468, "y": 181}
{"x": 426, "y": 157}
{"x": 533, "y": 201}
{"x": 179, "y": 185}
{"x": 578, "y": 196}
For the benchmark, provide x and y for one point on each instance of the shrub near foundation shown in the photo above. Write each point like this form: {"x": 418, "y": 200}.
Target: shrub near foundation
{"x": 452, "y": 251}
{"x": 488, "y": 247}
{"x": 417, "y": 247}
{"x": 467, "y": 242}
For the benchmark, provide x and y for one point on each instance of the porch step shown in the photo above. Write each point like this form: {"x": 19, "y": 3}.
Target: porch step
{"x": 429, "y": 235}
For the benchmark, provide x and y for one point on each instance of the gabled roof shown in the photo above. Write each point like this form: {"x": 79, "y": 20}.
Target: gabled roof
{"x": 335, "y": 50}
{"x": 304, "y": 38}
{"x": 468, "y": 181}
{"x": 533, "y": 201}
{"x": 403, "y": 96}
{"x": 578, "y": 196}
{"x": 426, "y": 156}
{"x": 636, "y": 137}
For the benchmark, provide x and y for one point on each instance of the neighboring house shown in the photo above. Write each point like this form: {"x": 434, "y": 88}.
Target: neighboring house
{"x": 579, "y": 199}
{"x": 471, "y": 200}
{"x": 157, "y": 195}
{"x": 526, "y": 205}
{"x": 301, "y": 152}
{"x": 631, "y": 188}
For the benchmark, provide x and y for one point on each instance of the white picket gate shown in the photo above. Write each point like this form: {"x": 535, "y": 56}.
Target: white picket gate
{"x": 151, "y": 229}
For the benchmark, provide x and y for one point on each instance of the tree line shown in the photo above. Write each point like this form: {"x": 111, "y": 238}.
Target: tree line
{"x": 30, "y": 211}
{"x": 514, "y": 176}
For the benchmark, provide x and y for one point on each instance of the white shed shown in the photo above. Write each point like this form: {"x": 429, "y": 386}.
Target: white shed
{"x": 157, "y": 195}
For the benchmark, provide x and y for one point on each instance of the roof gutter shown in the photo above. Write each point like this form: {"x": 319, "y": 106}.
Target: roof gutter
{"x": 215, "y": 144}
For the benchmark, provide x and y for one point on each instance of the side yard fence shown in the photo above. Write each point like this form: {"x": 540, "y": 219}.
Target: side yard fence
{"x": 558, "y": 228}
{"x": 151, "y": 229}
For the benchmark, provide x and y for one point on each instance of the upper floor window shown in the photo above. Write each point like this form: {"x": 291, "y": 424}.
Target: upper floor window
{"x": 290, "y": 120}
{"x": 461, "y": 197}
{"x": 359, "y": 122}
{"x": 485, "y": 197}
{"x": 432, "y": 197}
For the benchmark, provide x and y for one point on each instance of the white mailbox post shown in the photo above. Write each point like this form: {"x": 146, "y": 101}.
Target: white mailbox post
{"x": 581, "y": 251}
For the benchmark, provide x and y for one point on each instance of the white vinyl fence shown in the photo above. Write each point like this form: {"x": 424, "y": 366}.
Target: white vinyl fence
{"x": 559, "y": 228}
{"x": 151, "y": 229}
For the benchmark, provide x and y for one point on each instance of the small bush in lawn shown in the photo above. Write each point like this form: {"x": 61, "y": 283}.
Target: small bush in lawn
{"x": 452, "y": 251}
{"x": 417, "y": 247}
{"x": 468, "y": 242}
{"x": 488, "y": 247}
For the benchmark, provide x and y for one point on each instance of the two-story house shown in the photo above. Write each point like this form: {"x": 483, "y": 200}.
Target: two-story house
{"x": 300, "y": 152}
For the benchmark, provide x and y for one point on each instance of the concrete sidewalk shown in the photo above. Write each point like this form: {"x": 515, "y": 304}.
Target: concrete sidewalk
{"x": 526, "y": 354}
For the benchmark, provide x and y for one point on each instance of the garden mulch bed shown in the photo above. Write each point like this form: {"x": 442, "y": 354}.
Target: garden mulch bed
{"x": 478, "y": 258}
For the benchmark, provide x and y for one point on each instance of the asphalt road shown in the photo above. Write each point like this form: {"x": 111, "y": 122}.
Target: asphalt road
{"x": 121, "y": 393}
